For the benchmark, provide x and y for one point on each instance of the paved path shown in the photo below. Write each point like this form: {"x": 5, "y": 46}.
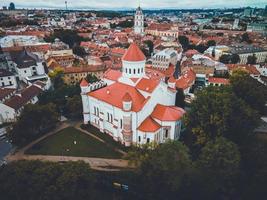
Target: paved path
{"x": 95, "y": 163}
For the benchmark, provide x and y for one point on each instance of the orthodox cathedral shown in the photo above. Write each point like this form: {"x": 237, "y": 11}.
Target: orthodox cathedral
{"x": 131, "y": 107}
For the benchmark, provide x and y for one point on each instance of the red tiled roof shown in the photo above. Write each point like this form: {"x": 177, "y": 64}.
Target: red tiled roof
{"x": 134, "y": 54}
{"x": 27, "y": 94}
{"x": 4, "y": 92}
{"x": 112, "y": 74}
{"x": 186, "y": 80}
{"x": 167, "y": 113}
{"x": 147, "y": 85}
{"x": 114, "y": 93}
{"x": 218, "y": 80}
{"x": 149, "y": 125}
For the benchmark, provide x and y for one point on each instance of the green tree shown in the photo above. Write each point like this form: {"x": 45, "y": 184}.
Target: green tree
{"x": 252, "y": 59}
{"x": 250, "y": 90}
{"x": 74, "y": 107}
{"x": 184, "y": 41}
{"x": 150, "y": 45}
{"x": 217, "y": 111}
{"x": 211, "y": 43}
{"x": 78, "y": 50}
{"x": 180, "y": 98}
{"x": 33, "y": 122}
{"x": 165, "y": 169}
{"x": 245, "y": 38}
{"x": 218, "y": 165}
{"x": 91, "y": 78}
{"x": 225, "y": 58}
{"x": 235, "y": 59}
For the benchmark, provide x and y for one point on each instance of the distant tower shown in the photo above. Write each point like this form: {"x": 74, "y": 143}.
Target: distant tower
{"x": 11, "y": 6}
{"x": 66, "y": 3}
{"x": 139, "y": 21}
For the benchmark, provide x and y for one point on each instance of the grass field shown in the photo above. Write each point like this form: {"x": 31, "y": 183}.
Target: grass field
{"x": 63, "y": 144}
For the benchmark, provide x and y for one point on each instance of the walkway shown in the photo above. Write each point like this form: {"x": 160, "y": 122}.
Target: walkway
{"x": 95, "y": 163}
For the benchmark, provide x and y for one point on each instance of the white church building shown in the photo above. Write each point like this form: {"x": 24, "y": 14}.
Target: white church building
{"x": 129, "y": 106}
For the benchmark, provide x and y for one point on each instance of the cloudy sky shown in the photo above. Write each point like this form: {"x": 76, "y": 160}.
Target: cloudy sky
{"x": 124, "y": 4}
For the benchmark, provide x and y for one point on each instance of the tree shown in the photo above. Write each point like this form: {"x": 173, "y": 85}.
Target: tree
{"x": 69, "y": 37}
{"x": 91, "y": 78}
{"x": 33, "y": 122}
{"x": 254, "y": 176}
{"x": 184, "y": 41}
{"x": 218, "y": 165}
{"x": 78, "y": 50}
{"x": 235, "y": 59}
{"x": 150, "y": 45}
{"x": 217, "y": 111}
{"x": 225, "y": 58}
{"x": 37, "y": 180}
{"x": 250, "y": 90}
{"x": 211, "y": 43}
{"x": 252, "y": 59}
{"x": 180, "y": 98}
{"x": 74, "y": 107}
{"x": 165, "y": 169}
{"x": 245, "y": 38}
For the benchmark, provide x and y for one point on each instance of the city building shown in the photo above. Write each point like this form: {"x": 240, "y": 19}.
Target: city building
{"x": 14, "y": 102}
{"x": 132, "y": 108}
{"x": 73, "y": 75}
{"x": 28, "y": 67}
{"x": 7, "y": 79}
{"x": 164, "y": 58}
{"x": 245, "y": 51}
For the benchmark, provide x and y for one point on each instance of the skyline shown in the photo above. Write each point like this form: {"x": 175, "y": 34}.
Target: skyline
{"x": 146, "y": 4}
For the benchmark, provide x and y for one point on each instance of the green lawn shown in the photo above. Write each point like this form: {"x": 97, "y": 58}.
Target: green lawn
{"x": 62, "y": 143}
{"x": 108, "y": 139}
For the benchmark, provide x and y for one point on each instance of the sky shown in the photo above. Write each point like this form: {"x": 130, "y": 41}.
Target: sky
{"x": 128, "y": 4}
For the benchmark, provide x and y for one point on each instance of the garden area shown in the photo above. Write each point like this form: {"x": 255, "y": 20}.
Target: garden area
{"x": 72, "y": 142}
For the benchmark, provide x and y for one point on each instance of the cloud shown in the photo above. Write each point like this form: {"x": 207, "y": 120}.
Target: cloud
{"x": 112, "y": 4}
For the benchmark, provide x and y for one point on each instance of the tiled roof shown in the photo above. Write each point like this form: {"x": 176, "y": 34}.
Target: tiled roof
{"x": 167, "y": 113}
{"x": 218, "y": 80}
{"x": 147, "y": 85}
{"x": 4, "y": 92}
{"x": 134, "y": 54}
{"x": 149, "y": 125}
{"x": 4, "y": 73}
{"x": 113, "y": 95}
{"x": 25, "y": 96}
{"x": 112, "y": 74}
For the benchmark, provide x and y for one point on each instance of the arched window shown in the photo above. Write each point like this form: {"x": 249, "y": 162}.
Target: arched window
{"x": 126, "y": 70}
{"x": 130, "y": 71}
{"x": 138, "y": 70}
{"x": 134, "y": 71}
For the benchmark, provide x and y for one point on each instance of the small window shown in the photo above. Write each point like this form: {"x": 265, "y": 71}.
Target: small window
{"x": 134, "y": 71}
{"x": 139, "y": 138}
{"x": 121, "y": 123}
{"x": 147, "y": 140}
{"x": 130, "y": 71}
